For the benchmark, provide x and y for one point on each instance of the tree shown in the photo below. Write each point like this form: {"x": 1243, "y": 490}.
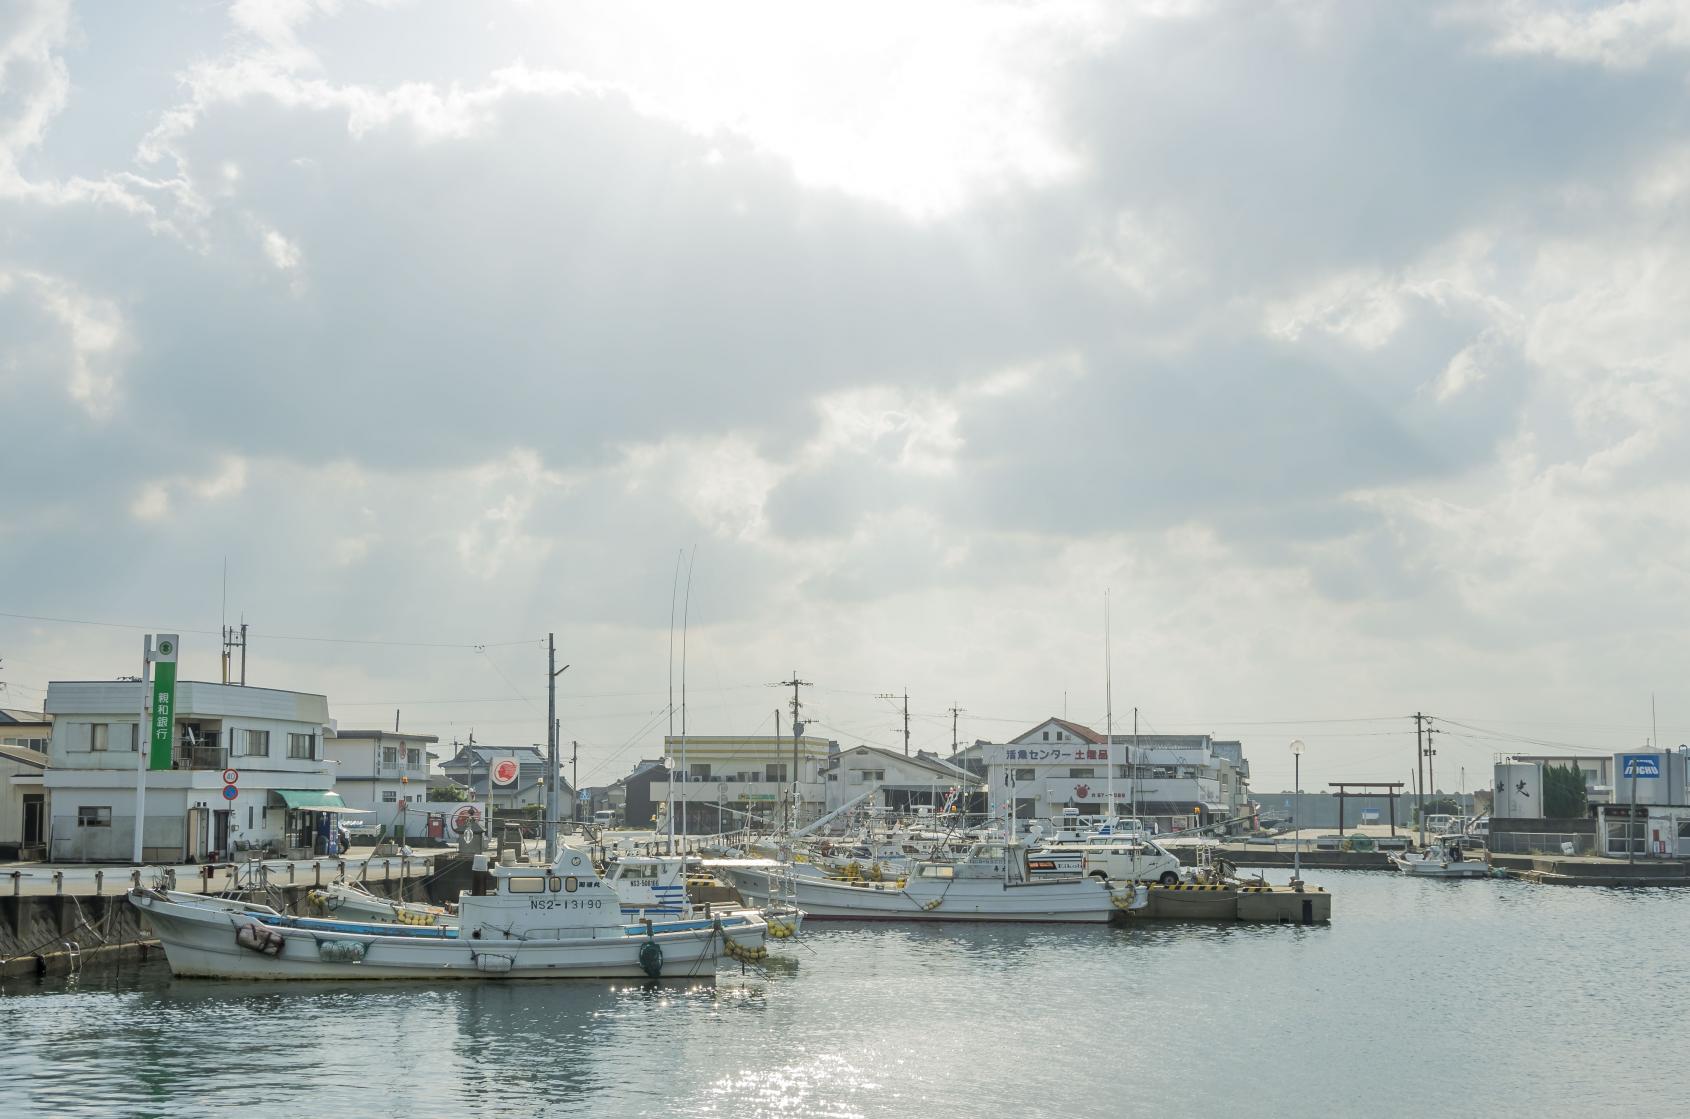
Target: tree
{"x": 1564, "y": 794}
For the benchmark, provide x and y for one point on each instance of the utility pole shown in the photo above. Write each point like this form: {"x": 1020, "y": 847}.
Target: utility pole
{"x": 575, "y": 778}
{"x": 906, "y": 698}
{"x": 955, "y": 711}
{"x": 554, "y": 767}
{"x": 143, "y": 747}
{"x": 797, "y": 731}
{"x": 1420, "y": 775}
{"x": 1431, "y": 778}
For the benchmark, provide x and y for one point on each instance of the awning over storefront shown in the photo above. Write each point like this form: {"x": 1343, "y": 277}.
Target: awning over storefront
{"x": 312, "y": 800}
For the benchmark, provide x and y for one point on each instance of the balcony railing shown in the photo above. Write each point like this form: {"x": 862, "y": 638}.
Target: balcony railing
{"x": 200, "y": 757}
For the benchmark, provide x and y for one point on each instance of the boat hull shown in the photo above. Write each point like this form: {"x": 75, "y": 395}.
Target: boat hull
{"x": 1417, "y": 869}
{"x": 202, "y": 941}
{"x": 1082, "y": 901}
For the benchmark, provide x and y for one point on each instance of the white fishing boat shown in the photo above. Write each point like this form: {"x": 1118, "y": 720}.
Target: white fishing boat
{"x": 992, "y": 883}
{"x": 520, "y": 921}
{"x": 1446, "y": 857}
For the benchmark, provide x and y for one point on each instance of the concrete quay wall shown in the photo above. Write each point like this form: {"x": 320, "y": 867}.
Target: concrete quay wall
{"x": 42, "y": 933}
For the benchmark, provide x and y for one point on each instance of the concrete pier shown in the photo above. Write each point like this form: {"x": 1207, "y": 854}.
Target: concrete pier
{"x": 1590, "y": 870}
{"x": 1284, "y": 905}
{"x": 58, "y": 919}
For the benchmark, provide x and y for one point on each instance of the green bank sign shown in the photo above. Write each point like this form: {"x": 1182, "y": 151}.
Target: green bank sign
{"x": 164, "y": 701}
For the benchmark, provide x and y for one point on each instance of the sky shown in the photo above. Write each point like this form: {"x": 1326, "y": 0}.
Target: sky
{"x": 1335, "y": 353}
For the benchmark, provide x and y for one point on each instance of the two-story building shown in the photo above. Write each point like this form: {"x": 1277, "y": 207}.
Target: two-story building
{"x": 899, "y": 781}
{"x": 24, "y": 736}
{"x": 1177, "y": 780}
{"x": 381, "y": 772}
{"x": 247, "y": 773}
{"x": 747, "y": 781}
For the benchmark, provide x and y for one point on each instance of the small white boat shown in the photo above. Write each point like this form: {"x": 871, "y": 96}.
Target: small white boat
{"x": 520, "y": 922}
{"x": 992, "y": 883}
{"x": 1446, "y": 857}
{"x": 347, "y": 900}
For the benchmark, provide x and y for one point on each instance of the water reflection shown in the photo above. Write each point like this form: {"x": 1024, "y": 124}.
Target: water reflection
{"x": 882, "y": 1019}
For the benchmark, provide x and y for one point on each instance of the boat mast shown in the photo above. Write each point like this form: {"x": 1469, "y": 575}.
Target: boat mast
{"x": 1108, "y": 714}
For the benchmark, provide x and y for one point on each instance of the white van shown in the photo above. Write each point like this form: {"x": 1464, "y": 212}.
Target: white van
{"x": 1139, "y": 859}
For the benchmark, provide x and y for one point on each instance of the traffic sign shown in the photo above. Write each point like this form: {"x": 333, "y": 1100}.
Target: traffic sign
{"x": 230, "y": 776}
{"x": 230, "y": 792}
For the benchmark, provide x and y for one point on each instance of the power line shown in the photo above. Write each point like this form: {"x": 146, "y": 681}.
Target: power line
{"x": 476, "y": 646}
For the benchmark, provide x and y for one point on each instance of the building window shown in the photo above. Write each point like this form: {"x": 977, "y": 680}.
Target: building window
{"x": 774, "y": 772}
{"x": 390, "y": 755}
{"x": 92, "y": 816}
{"x": 700, "y": 771}
{"x": 413, "y": 759}
{"x": 1026, "y": 774}
{"x": 111, "y": 736}
{"x": 1045, "y": 735}
{"x": 300, "y": 746}
{"x": 258, "y": 743}
{"x": 1082, "y": 772}
{"x": 388, "y": 796}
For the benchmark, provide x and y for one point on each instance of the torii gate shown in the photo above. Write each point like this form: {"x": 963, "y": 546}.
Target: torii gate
{"x": 1344, "y": 788}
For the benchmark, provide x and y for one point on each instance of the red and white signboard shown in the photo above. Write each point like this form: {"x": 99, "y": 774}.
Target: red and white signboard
{"x": 505, "y": 771}
{"x": 464, "y": 817}
{"x": 231, "y": 776}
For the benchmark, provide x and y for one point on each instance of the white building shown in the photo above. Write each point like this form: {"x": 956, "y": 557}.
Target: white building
{"x": 900, "y": 781}
{"x": 724, "y": 783}
{"x": 1180, "y": 781}
{"x": 23, "y": 803}
{"x": 382, "y": 773}
{"x": 270, "y": 742}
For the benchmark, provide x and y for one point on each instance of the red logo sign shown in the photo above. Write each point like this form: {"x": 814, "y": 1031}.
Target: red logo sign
{"x": 464, "y": 817}
{"x": 1081, "y": 792}
{"x": 505, "y": 771}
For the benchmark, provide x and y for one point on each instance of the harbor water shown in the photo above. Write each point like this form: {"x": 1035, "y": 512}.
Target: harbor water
{"x": 1421, "y": 998}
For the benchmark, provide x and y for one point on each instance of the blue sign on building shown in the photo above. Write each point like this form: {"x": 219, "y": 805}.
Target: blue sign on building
{"x": 1640, "y": 765}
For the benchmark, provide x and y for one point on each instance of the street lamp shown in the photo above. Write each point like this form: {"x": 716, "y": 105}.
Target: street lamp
{"x": 1296, "y": 811}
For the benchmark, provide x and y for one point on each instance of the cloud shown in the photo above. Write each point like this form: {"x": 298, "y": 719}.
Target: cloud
{"x": 1343, "y": 343}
